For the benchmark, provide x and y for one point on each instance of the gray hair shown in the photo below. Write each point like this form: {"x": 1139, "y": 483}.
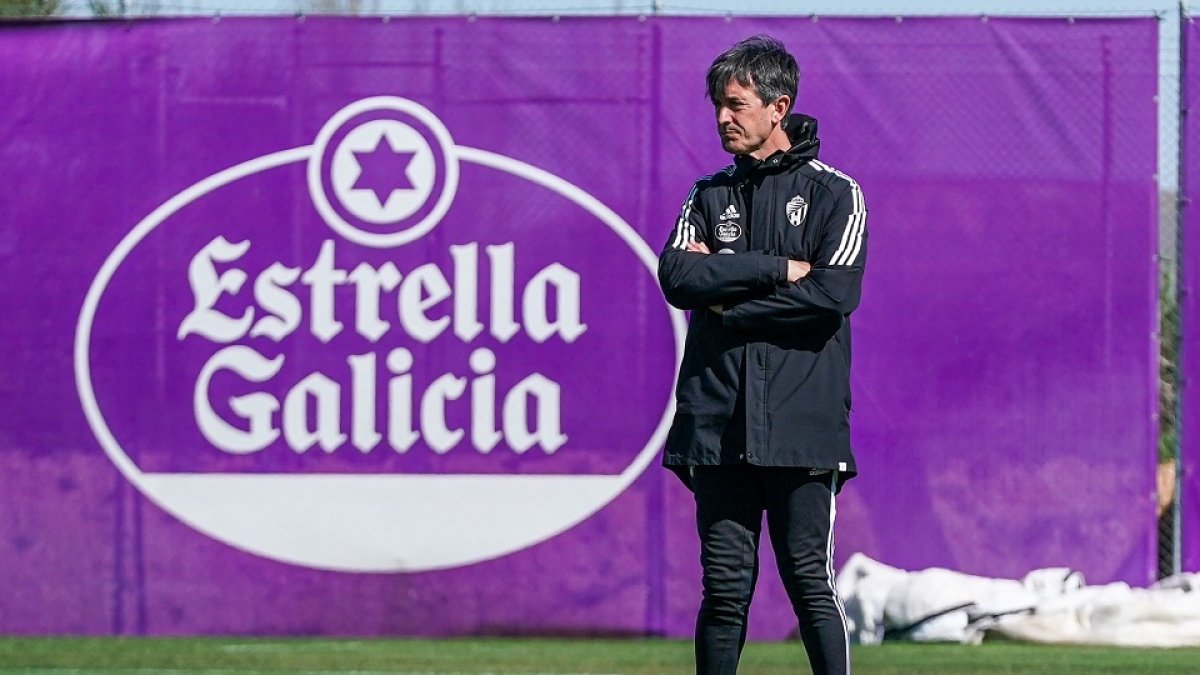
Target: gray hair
{"x": 760, "y": 61}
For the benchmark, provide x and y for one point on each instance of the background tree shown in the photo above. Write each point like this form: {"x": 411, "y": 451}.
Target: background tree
{"x": 28, "y": 8}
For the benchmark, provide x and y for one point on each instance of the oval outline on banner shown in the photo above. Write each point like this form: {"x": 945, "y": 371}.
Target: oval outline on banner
{"x": 379, "y": 522}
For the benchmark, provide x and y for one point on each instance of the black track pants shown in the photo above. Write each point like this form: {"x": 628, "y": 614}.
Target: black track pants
{"x": 730, "y": 501}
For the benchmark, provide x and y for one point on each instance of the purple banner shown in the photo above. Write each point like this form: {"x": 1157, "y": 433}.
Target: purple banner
{"x": 1189, "y": 304}
{"x": 349, "y": 326}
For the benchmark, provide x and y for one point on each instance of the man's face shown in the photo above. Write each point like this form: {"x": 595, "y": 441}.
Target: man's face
{"x": 744, "y": 121}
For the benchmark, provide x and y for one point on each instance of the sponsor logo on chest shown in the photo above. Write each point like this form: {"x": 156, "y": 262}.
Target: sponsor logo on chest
{"x": 727, "y": 229}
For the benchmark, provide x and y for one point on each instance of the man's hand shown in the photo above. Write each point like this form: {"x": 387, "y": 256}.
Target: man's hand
{"x": 797, "y": 270}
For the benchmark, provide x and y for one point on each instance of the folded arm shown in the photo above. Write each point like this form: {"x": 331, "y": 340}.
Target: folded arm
{"x": 693, "y": 279}
{"x": 828, "y": 292}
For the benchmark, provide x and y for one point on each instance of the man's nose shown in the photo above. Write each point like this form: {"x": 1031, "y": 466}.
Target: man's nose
{"x": 723, "y": 115}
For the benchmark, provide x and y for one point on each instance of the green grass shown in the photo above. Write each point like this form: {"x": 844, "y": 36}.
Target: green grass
{"x": 161, "y": 656}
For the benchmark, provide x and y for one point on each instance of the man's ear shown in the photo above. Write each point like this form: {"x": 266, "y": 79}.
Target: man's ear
{"x": 780, "y": 107}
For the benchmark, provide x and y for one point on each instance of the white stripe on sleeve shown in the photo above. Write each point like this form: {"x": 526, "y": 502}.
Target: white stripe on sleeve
{"x": 684, "y": 230}
{"x": 856, "y": 224}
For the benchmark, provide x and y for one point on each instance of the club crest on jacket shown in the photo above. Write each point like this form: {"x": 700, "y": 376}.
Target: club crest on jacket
{"x": 797, "y": 208}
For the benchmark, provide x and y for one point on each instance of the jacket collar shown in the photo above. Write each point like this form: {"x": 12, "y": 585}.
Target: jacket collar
{"x": 802, "y": 132}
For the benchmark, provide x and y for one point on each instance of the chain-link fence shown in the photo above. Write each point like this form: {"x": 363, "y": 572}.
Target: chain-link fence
{"x": 1171, "y": 147}
{"x": 1170, "y": 136}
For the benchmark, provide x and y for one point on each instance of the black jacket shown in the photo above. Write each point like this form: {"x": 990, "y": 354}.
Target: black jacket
{"x": 767, "y": 380}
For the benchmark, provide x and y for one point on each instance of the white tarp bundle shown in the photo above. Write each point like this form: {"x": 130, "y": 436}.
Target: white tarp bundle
{"x": 1047, "y": 605}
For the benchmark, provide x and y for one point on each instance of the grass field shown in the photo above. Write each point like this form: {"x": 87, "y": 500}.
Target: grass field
{"x": 151, "y": 656}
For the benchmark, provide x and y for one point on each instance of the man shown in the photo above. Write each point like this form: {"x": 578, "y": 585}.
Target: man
{"x": 768, "y": 255}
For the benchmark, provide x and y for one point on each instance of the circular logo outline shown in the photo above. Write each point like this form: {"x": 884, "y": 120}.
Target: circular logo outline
{"x": 316, "y": 188}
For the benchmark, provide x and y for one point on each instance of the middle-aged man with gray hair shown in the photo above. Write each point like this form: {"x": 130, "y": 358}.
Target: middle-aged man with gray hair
{"x": 768, "y": 254}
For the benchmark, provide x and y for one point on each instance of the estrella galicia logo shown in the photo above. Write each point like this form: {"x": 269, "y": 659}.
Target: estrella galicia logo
{"x": 728, "y": 231}
{"x": 383, "y": 351}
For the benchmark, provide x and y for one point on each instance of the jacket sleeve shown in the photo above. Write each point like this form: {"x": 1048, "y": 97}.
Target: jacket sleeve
{"x": 695, "y": 280}
{"x": 830, "y": 291}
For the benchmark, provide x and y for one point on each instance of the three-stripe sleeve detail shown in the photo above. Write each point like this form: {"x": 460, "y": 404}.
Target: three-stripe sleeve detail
{"x": 684, "y": 230}
{"x": 856, "y": 224}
